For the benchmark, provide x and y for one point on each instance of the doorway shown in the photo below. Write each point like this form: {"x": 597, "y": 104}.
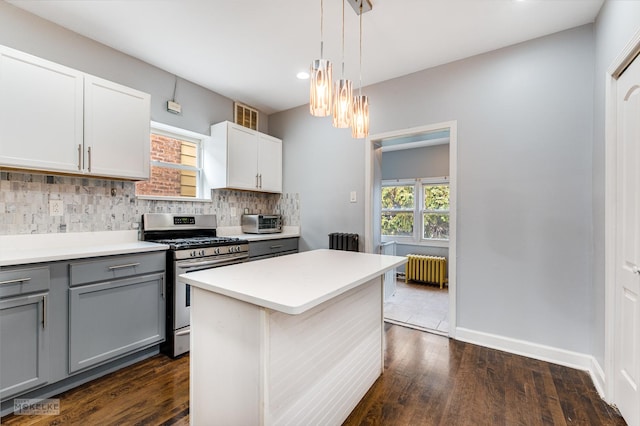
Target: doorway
{"x": 409, "y": 139}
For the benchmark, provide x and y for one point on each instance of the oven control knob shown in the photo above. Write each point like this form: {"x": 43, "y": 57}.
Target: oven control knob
{"x": 216, "y": 250}
{"x": 201, "y": 253}
{"x": 192, "y": 254}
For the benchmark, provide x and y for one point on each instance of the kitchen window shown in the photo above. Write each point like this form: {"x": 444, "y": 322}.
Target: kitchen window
{"x": 176, "y": 165}
{"x": 416, "y": 211}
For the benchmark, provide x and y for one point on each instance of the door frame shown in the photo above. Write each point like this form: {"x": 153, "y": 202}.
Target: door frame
{"x": 622, "y": 61}
{"x": 371, "y": 146}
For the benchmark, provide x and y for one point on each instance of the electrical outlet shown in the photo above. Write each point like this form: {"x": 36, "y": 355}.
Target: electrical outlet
{"x": 56, "y": 208}
{"x": 233, "y": 212}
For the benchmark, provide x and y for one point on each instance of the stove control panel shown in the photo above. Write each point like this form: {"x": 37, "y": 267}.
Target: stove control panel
{"x": 211, "y": 251}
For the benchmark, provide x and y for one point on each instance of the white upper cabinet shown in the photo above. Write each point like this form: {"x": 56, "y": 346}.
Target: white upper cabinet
{"x": 41, "y": 113}
{"x": 56, "y": 119}
{"x": 116, "y": 129}
{"x": 241, "y": 158}
{"x": 269, "y": 163}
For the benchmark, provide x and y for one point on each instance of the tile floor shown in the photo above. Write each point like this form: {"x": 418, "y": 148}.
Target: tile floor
{"x": 421, "y": 306}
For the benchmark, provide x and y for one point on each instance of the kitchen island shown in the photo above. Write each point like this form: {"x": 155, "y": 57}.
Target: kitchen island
{"x": 295, "y": 340}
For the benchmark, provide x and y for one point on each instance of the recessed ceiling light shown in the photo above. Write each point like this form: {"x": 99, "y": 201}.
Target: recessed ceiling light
{"x": 303, "y": 75}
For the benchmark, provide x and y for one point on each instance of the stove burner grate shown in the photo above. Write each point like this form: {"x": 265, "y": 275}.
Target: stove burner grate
{"x": 197, "y": 242}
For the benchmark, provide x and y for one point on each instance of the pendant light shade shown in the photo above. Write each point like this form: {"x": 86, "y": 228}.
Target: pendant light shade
{"x": 342, "y": 93}
{"x": 321, "y": 79}
{"x": 360, "y": 121}
{"x": 342, "y": 98}
{"x": 320, "y": 88}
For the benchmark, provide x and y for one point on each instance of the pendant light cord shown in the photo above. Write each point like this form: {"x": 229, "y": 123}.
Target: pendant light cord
{"x": 360, "y": 89}
{"x": 321, "y": 30}
{"x": 343, "y": 39}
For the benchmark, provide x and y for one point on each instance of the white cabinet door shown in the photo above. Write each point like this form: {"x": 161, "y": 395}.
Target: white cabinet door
{"x": 269, "y": 163}
{"x": 41, "y": 113}
{"x": 116, "y": 130}
{"x": 242, "y": 160}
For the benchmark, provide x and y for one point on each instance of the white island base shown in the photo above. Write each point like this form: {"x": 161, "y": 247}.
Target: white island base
{"x": 258, "y": 361}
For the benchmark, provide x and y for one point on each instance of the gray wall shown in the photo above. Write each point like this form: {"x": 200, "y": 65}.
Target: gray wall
{"x": 617, "y": 22}
{"x": 428, "y": 161}
{"x": 200, "y": 107}
{"x": 524, "y": 117}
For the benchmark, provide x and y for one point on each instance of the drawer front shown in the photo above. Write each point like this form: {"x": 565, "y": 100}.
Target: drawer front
{"x": 14, "y": 282}
{"x": 115, "y": 267}
{"x": 266, "y": 247}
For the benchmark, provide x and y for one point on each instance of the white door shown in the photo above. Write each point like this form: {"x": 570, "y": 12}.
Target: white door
{"x": 627, "y": 258}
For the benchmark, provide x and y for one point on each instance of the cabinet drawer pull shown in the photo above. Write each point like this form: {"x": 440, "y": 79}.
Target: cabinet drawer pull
{"x": 44, "y": 311}
{"x": 19, "y": 280}
{"x": 79, "y": 157}
{"x": 89, "y": 153}
{"x": 276, "y": 246}
{"x": 128, "y": 265}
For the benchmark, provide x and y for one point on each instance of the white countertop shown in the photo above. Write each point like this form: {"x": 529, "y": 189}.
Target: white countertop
{"x": 295, "y": 283}
{"x": 236, "y": 231}
{"x": 35, "y": 248}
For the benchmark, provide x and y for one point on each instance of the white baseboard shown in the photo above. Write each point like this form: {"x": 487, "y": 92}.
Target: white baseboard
{"x": 550, "y": 354}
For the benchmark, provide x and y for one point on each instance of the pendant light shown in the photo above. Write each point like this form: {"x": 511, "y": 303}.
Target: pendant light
{"x": 321, "y": 79}
{"x": 360, "y": 120}
{"x": 342, "y": 93}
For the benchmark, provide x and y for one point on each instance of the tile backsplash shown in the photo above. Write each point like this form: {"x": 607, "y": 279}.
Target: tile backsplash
{"x": 91, "y": 204}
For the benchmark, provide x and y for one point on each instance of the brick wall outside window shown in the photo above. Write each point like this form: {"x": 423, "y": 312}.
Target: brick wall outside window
{"x": 166, "y": 181}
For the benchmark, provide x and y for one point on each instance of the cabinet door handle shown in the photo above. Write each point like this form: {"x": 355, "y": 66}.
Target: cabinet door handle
{"x": 17, "y": 280}
{"x": 163, "y": 289}
{"x": 44, "y": 311}
{"x": 89, "y": 152}
{"x": 257, "y": 185}
{"x": 128, "y": 265}
{"x": 79, "y": 157}
{"x": 260, "y": 180}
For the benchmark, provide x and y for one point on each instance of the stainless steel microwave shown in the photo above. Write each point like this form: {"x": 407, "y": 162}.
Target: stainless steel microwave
{"x": 261, "y": 223}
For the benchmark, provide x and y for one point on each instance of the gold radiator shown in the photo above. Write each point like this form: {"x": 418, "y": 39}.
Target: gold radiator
{"x": 428, "y": 269}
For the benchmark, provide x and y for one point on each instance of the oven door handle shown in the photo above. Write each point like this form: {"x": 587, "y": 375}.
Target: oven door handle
{"x": 221, "y": 262}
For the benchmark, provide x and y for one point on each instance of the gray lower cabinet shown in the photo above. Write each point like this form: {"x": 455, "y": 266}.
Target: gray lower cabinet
{"x": 24, "y": 350}
{"x": 272, "y": 248}
{"x": 111, "y": 318}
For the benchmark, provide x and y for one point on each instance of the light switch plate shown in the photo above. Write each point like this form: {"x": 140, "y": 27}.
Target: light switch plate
{"x": 353, "y": 197}
{"x": 56, "y": 208}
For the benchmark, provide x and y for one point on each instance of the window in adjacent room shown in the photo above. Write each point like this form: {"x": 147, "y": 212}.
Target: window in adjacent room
{"x": 176, "y": 165}
{"x": 416, "y": 211}
{"x": 435, "y": 211}
{"x": 398, "y": 205}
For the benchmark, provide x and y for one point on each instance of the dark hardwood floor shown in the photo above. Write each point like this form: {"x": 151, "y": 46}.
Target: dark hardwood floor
{"x": 428, "y": 380}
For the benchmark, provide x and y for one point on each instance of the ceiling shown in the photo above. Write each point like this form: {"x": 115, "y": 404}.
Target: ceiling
{"x": 251, "y": 50}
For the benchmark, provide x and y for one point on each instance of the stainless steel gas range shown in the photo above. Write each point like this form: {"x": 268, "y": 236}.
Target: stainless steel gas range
{"x": 194, "y": 246}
